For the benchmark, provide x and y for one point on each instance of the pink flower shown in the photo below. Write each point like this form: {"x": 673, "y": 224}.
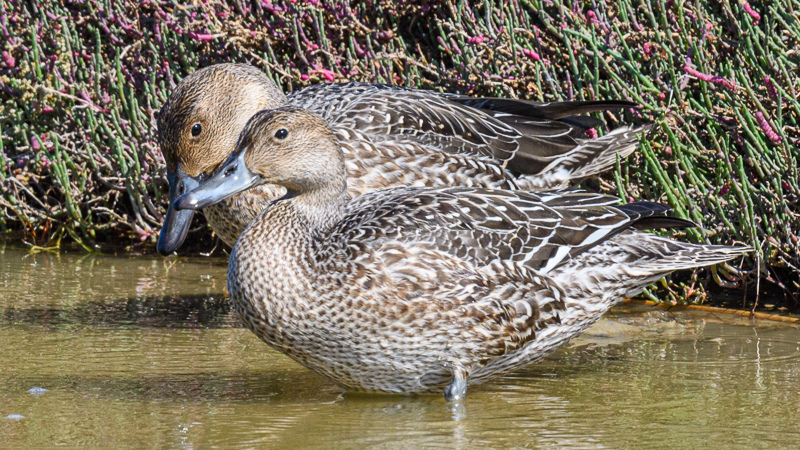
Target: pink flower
{"x": 9, "y": 60}
{"x": 35, "y": 144}
{"x": 304, "y": 77}
{"x": 271, "y": 8}
{"x": 47, "y": 109}
{"x": 531, "y": 54}
{"x": 709, "y": 78}
{"x": 591, "y": 133}
{"x": 328, "y": 74}
{"x": 201, "y": 37}
{"x": 648, "y": 49}
{"x": 767, "y": 128}
{"x": 771, "y": 90}
{"x": 475, "y": 40}
{"x": 753, "y": 13}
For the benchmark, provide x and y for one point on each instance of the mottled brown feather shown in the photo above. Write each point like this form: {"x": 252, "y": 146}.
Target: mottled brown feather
{"x": 399, "y": 290}
{"x": 391, "y": 137}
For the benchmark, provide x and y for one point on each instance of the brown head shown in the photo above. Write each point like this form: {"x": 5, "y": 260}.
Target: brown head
{"x": 201, "y": 121}
{"x": 198, "y": 128}
{"x": 289, "y": 147}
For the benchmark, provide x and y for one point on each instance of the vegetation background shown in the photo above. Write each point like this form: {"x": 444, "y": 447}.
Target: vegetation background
{"x": 80, "y": 81}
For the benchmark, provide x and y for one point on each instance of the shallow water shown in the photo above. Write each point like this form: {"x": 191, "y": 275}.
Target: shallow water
{"x": 145, "y": 352}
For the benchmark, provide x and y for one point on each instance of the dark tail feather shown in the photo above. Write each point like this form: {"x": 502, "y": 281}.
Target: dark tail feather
{"x": 537, "y": 110}
{"x": 581, "y": 124}
{"x": 649, "y": 215}
{"x": 650, "y": 223}
{"x": 639, "y": 210}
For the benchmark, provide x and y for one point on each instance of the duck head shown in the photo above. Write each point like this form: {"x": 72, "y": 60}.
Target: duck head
{"x": 198, "y": 128}
{"x": 289, "y": 147}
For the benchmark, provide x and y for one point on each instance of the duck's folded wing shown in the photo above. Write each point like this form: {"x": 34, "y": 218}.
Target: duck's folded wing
{"x": 482, "y": 227}
{"x": 569, "y": 112}
{"x": 525, "y": 136}
{"x": 485, "y": 254}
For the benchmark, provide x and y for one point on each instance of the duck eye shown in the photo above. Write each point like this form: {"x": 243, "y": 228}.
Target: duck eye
{"x": 282, "y": 133}
{"x": 196, "y": 129}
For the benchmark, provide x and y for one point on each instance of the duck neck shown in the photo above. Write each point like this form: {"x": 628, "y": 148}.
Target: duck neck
{"x": 322, "y": 206}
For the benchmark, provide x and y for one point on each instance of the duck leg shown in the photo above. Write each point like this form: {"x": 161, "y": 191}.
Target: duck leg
{"x": 456, "y": 390}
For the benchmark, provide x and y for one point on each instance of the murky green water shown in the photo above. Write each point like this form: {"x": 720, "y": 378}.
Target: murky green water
{"x": 144, "y": 352}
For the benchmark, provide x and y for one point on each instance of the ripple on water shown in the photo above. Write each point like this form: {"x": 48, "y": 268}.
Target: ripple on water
{"x": 132, "y": 350}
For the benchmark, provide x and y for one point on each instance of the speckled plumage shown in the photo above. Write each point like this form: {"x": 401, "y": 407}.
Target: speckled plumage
{"x": 391, "y": 136}
{"x": 411, "y": 290}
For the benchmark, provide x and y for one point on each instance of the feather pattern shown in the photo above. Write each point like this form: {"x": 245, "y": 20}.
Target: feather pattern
{"x": 503, "y": 130}
{"x": 394, "y": 136}
{"x": 412, "y": 284}
{"x": 414, "y": 290}
{"x": 391, "y": 136}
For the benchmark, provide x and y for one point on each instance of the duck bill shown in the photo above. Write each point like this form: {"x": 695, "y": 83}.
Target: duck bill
{"x": 177, "y": 223}
{"x": 232, "y": 178}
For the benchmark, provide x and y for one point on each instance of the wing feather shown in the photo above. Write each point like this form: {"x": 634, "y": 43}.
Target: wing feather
{"x": 524, "y": 136}
{"x": 541, "y": 231}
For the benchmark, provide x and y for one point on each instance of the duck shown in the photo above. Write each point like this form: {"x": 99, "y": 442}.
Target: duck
{"x": 391, "y": 136}
{"x": 416, "y": 290}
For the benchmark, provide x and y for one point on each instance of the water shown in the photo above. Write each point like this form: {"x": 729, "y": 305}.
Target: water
{"x": 110, "y": 351}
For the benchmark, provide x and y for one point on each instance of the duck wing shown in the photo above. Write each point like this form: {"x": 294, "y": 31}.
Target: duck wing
{"x": 569, "y": 112}
{"x": 539, "y": 231}
{"x": 478, "y": 262}
{"x": 524, "y": 136}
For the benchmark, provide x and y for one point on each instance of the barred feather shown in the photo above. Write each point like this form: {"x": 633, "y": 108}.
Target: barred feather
{"x": 391, "y": 136}
{"x": 398, "y": 290}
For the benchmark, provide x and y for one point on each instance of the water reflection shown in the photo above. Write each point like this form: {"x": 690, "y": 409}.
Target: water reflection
{"x": 134, "y": 350}
{"x": 93, "y": 290}
{"x": 209, "y": 311}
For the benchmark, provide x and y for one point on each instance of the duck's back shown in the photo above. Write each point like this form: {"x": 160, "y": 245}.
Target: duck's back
{"x": 411, "y": 283}
{"x": 397, "y": 136}
{"x": 394, "y": 136}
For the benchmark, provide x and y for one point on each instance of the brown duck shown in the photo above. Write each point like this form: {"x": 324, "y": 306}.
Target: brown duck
{"x": 415, "y": 290}
{"x": 390, "y": 136}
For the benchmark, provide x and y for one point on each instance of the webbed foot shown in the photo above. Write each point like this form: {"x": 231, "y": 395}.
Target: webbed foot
{"x": 456, "y": 390}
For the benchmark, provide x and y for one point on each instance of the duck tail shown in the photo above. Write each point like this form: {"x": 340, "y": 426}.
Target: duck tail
{"x": 664, "y": 255}
{"x": 688, "y": 256}
{"x": 568, "y": 111}
{"x": 589, "y": 158}
{"x": 625, "y": 265}
{"x": 600, "y": 155}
